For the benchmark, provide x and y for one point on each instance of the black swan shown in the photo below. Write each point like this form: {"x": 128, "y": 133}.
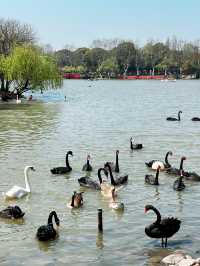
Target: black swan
{"x": 76, "y": 200}
{"x": 88, "y": 182}
{"x": 47, "y": 232}
{"x": 12, "y": 212}
{"x": 195, "y": 119}
{"x": 174, "y": 170}
{"x": 162, "y": 228}
{"x": 87, "y": 167}
{"x": 115, "y": 167}
{"x": 136, "y": 146}
{"x": 153, "y": 180}
{"x": 63, "y": 170}
{"x": 192, "y": 176}
{"x": 163, "y": 165}
{"x": 174, "y": 118}
{"x": 178, "y": 183}
{"x": 118, "y": 180}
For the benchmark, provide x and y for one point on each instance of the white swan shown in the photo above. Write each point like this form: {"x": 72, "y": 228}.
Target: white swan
{"x": 116, "y": 205}
{"x": 18, "y": 100}
{"x": 19, "y": 192}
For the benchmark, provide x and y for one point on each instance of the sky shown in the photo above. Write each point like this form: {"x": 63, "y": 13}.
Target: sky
{"x": 79, "y": 22}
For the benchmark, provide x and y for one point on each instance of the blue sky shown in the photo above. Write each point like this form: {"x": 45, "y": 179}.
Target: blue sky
{"x": 78, "y": 22}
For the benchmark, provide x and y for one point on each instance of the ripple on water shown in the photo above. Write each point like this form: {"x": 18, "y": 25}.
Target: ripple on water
{"x": 98, "y": 120}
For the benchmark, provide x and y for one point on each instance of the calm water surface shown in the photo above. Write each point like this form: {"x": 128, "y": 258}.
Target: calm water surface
{"x": 98, "y": 118}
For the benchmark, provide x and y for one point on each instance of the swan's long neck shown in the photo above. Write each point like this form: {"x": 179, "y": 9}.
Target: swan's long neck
{"x": 28, "y": 188}
{"x": 99, "y": 175}
{"x": 113, "y": 194}
{"x": 131, "y": 143}
{"x": 179, "y": 116}
{"x": 158, "y": 215}
{"x": 67, "y": 161}
{"x": 181, "y": 164}
{"x": 111, "y": 176}
{"x": 166, "y": 158}
{"x": 72, "y": 202}
{"x": 156, "y": 178}
{"x": 117, "y": 163}
{"x": 50, "y": 222}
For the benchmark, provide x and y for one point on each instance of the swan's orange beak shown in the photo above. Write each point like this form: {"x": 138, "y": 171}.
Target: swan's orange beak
{"x": 145, "y": 210}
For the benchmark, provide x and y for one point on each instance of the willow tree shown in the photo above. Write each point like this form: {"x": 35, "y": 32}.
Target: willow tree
{"x": 13, "y": 33}
{"x": 28, "y": 69}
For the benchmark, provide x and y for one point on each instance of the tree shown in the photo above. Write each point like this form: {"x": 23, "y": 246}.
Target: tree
{"x": 94, "y": 57}
{"x": 78, "y": 56}
{"x": 28, "y": 69}
{"x": 108, "y": 67}
{"x": 63, "y": 57}
{"x": 106, "y": 44}
{"x": 13, "y": 33}
{"x": 125, "y": 54}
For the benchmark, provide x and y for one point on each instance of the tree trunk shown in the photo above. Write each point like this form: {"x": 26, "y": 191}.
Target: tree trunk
{"x": 7, "y": 85}
{"x": 2, "y": 84}
{"x": 26, "y": 84}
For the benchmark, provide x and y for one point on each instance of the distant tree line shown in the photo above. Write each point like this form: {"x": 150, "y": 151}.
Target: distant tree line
{"x": 23, "y": 64}
{"x": 109, "y": 58}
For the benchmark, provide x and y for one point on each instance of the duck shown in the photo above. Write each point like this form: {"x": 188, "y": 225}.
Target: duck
{"x": 47, "y": 232}
{"x": 162, "y": 228}
{"x": 178, "y": 183}
{"x": 88, "y": 182}
{"x": 136, "y": 146}
{"x": 174, "y": 170}
{"x": 65, "y": 169}
{"x": 153, "y": 164}
{"x": 118, "y": 180}
{"x": 195, "y": 119}
{"x": 153, "y": 180}
{"x": 17, "y": 192}
{"x": 12, "y": 212}
{"x": 115, "y": 167}
{"x": 76, "y": 200}
{"x": 174, "y": 118}
{"x": 116, "y": 205}
{"x": 87, "y": 167}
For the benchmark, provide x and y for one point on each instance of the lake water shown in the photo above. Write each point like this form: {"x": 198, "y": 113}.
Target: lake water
{"x": 98, "y": 118}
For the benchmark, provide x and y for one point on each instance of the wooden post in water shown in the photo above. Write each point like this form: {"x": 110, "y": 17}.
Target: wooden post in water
{"x": 100, "y": 220}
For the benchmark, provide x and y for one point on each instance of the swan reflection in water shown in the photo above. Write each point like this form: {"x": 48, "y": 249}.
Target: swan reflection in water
{"x": 157, "y": 194}
{"x": 180, "y": 201}
{"x": 156, "y": 255}
{"x": 99, "y": 240}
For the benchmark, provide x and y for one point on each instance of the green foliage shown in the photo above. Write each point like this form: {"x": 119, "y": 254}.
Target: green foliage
{"x": 64, "y": 57}
{"x": 108, "y": 67}
{"x": 125, "y": 54}
{"x": 74, "y": 69}
{"x": 174, "y": 57}
{"x": 32, "y": 70}
{"x": 93, "y": 58}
